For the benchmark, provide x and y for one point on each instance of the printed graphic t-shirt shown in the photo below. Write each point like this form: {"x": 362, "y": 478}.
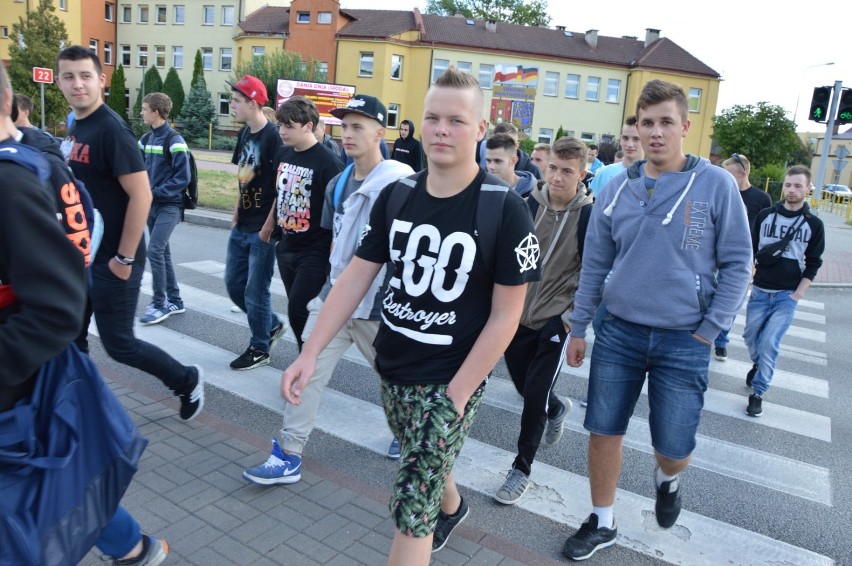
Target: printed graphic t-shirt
{"x": 439, "y": 297}
{"x": 301, "y": 180}
{"x": 99, "y": 149}
{"x": 255, "y": 156}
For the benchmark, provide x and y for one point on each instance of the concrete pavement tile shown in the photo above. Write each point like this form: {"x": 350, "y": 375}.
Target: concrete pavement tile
{"x": 264, "y": 561}
{"x": 310, "y": 547}
{"x": 182, "y": 528}
{"x": 200, "y": 463}
{"x": 237, "y": 552}
{"x": 224, "y": 482}
{"x": 252, "y": 528}
{"x": 177, "y": 426}
{"x": 463, "y": 545}
{"x": 287, "y": 555}
{"x": 209, "y": 557}
{"x": 343, "y": 560}
{"x": 225, "y": 451}
{"x": 307, "y": 507}
{"x": 272, "y": 538}
{"x": 195, "y": 541}
{"x": 243, "y": 447}
{"x": 337, "y": 499}
{"x": 449, "y": 556}
{"x": 485, "y": 557}
{"x": 186, "y": 490}
{"x": 379, "y": 508}
{"x": 175, "y": 473}
{"x": 361, "y": 516}
{"x": 510, "y": 562}
{"x": 155, "y": 482}
{"x": 336, "y": 531}
{"x": 309, "y": 478}
{"x": 200, "y": 500}
{"x": 162, "y": 414}
{"x": 365, "y": 554}
{"x": 272, "y": 497}
{"x": 182, "y": 444}
{"x": 320, "y": 491}
{"x": 218, "y": 518}
{"x": 217, "y": 437}
{"x": 249, "y": 491}
{"x": 169, "y": 453}
{"x": 154, "y": 432}
{"x": 164, "y": 508}
{"x": 237, "y": 508}
{"x": 378, "y": 542}
{"x": 150, "y": 461}
{"x": 290, "y": 515}
{"x": 196, "y": 433}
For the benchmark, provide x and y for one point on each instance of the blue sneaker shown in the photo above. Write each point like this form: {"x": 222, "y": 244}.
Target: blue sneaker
{"x": 394, "y": 450}
{"x": 175, "y": 308}
{"x": 154, "y": 315}
{"x": 278, "y": 468}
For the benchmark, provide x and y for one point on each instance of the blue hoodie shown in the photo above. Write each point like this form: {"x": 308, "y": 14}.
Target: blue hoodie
{"x": 679, "y": 259}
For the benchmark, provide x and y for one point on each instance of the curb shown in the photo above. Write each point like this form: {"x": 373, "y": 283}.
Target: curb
{"x": 208, "y": 217}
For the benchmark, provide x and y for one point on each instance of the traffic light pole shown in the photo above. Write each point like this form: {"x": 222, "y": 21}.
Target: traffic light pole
{"x": 826, "y": 147}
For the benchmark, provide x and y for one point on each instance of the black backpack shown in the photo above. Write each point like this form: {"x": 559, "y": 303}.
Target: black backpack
{"x": 190, "y": 194}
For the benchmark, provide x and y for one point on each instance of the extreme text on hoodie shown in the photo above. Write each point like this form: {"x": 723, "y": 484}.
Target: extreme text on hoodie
{"x": 679, "y": 259}
{"x": 556, "y": 231}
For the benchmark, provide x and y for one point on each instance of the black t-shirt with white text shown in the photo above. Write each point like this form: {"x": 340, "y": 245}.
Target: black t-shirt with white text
{"x": 100, "y": 148}
{"x": 301, "y": 181}
{"x": 255, "y": 156}
{"x": 439, "y": 297}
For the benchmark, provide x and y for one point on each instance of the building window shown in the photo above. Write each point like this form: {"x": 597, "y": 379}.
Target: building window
{"x": 208, "y": 15}
{"x": 393, "y": 115}
{"x": 323, "y": 70}
{"x": 324, "y": 18}
{"x": 486, "y": 75}
{"x": 125, "y": 55}
{"x": 303, "y": 17}
{"x": 177, "y": 57}
{"x": 180, "y": 15}
{"x": 438, "y": 68}
{"x": 4, "y": 32}
{"x": 303, "y": 66}
{"x": 63, "y": 4}
{"x": 551, "y": 84}
{"x": 126, "y": 14}
{"x": 224, "y": 104}
{"x": 225, "y": 58}
{"x": 160, "y": 51}
{"x": 695, "y": 100}
{"x": 572, "y": 86}
{"x": 587, "y": 137}
{"x": 465, "y": 67}
{"x": 161, "y": 15}
{"x": 109, "y": 11}
{"x": 127, "y": 98}
{"x": 142, "y": 56}
{"x": 613, "y": 90}
{"x": 143, "y": 14}
{"x": 93, "y": 46}
{"x": 593, "y": 88}
{"x": 396, "y": 67}
{"x": 365, "y": 69}
{"x": 545, "y": 135}
{"x": 107, "y": 53}
{"x": 207, "y": 58}
{"x": 227, "y": 15}
{"x": 258, "y": 51}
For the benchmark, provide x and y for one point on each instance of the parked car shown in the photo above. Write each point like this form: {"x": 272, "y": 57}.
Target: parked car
{"x": 838, "y": 192}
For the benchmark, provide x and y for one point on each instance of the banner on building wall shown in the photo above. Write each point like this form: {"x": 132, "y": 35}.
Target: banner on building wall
{"x": 326, "y": 96}
{"x": 516, "y": 74}
{"x": 501, "y": 111}
{"x": 515, "y": 92}
{"x": 522, "y": 115}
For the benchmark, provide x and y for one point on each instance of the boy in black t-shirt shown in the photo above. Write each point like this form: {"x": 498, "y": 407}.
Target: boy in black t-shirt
{"x": 304, "y": 170}
{"x": 251, "y": 253}
{"x": 447, "y": 315}
{"x": 104, "y": 154}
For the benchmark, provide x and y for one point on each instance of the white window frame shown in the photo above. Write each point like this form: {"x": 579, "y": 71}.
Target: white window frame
{"x": 545, "y": 135}
{"x": 207, "y": 58}
{"x": 551, "y": 84}
{"x": 179, "y": 14}
{"x": 465, "y": 67}
{"x": 227, "y": 15}
{"x": 109, "y": 11}
{"x": 126, "y": 14}
{"x": 396, "y": 65}
{"x": 258, "y": 51}
{"x": 224, "y": 103}
{"x": 438, "y": 68}
{"x": 572, "y": 86}
{"x": 177, "y": 56}
{"x": 160, "y": 55}
{"x": 613, "y": 91}
{"x": 226, "y": 54}
{"x": 4, "y": 32}
{"x": 367, "y": 58}
{"x": 324, "y": 18}
{"x": 63, "y": 5}
{"x": 141, "y": 51}
{"x": 303, "y": 17}
{"x": 694, "y": 98}
{"x": 161, "y": 11}
{"x": 393, "y": 115}
{"x": 486, "y": 71}
{"x": 208, "y": 10}
{"x": 108, "y": 53}
{"x": 126, "y": 55}
{"x": 144, "y": 14}
{"x": 323, "y": 68}
{"x": 587, "y": 137}
{"x": 93, "y": 46}
{"x": 593, "y": 89}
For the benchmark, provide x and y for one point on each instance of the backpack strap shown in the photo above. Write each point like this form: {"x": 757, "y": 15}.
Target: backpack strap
{"x": 533, "y": 206}
{"x": 399, "y": 196}
{"x": 489, "y": 218}
{"x": 341, "y": 183}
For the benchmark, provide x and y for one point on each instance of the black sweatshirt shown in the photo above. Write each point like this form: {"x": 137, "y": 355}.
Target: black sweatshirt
{"x": 803, "y": 256}
{"x": 44, "y": 270}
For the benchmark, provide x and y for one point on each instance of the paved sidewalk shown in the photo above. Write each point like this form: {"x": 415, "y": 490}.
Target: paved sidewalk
{"x": 189, "y": 491}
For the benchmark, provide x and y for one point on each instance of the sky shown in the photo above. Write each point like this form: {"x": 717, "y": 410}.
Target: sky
{"x": 762, "y": 51}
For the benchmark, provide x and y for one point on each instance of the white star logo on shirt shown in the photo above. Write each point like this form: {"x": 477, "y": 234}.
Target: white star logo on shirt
{"x": 528, "y": 252}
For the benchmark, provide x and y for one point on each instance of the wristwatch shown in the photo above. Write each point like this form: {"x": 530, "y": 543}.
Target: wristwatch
{"x": 124, "y": 260}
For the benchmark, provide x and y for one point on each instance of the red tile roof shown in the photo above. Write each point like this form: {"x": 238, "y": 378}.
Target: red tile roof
{"x": 268, "y": 20}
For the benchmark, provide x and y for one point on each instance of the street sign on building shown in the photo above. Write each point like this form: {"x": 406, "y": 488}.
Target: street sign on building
{"x": 42, "y": 75}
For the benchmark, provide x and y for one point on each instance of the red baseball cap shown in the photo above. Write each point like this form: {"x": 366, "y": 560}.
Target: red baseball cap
{"x": 252, "y": 87}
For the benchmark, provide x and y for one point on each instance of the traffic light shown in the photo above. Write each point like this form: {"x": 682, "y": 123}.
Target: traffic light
{"x": 844, "y": 110}
{"x": 819, "y": 104}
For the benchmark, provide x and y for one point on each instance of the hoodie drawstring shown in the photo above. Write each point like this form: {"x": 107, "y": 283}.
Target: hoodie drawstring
{"x": 608, "y": 210}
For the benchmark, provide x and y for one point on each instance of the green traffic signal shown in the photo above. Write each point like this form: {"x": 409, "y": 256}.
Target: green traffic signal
{"x": 819, "y": 103}
{"x": 844, "y": 108}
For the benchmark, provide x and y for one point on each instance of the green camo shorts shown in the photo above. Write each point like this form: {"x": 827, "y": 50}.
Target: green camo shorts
{"x": 430, "y": 434}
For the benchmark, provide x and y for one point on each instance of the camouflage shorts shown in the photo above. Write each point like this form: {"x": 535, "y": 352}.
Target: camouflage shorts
{"x": 431, "y": 435}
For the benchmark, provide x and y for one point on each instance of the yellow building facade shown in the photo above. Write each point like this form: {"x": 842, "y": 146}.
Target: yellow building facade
{"x": 70, "y": 12}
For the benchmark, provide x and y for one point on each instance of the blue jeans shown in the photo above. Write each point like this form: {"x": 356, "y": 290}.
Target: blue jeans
{"x": 722, "y": 339}
{"x": 161, "y": 223}
{"x": 248, "y": 275}
{"x": 768, "y": 316}
{"x": 676, "y": 365}
{"x": 120, "y": 536}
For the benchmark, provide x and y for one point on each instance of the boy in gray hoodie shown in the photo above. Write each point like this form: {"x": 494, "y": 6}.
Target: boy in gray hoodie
{"x": 667, "y": 255}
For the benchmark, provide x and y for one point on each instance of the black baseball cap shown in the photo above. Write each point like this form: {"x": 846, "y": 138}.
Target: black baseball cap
{"x": 364, "y": 104}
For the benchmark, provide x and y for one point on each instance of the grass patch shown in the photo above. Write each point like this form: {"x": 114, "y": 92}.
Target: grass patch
{"x": 217, "y": 189}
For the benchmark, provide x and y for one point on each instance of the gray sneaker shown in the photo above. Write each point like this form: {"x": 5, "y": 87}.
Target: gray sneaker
{"x": 514, "y": 487}
{"x": 556, "y": 425}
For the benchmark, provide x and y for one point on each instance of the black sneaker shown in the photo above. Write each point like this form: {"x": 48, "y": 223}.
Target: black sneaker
{"x": 192, "y": 401}
{"x": 250, "y": 359}
{"x": 721, "y": 354}
{"x": 668, "y": 502}
{"x": 154, "y": 551}
{"x": 447, "y": 524}
{"x": 277, "y": 332}
{"x": 755, "y": 405}
{"x": 588, "y": 539}
{"x": 750, "y": 375}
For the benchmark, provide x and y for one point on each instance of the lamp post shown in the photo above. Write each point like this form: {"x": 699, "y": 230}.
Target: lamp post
{"x": 798, "y": 98}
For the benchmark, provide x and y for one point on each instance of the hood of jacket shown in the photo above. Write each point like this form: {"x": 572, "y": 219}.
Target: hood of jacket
{"x": 42, "y": 141}
{"x": 410, "y": 135}
{"x": 526, "y": 183}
